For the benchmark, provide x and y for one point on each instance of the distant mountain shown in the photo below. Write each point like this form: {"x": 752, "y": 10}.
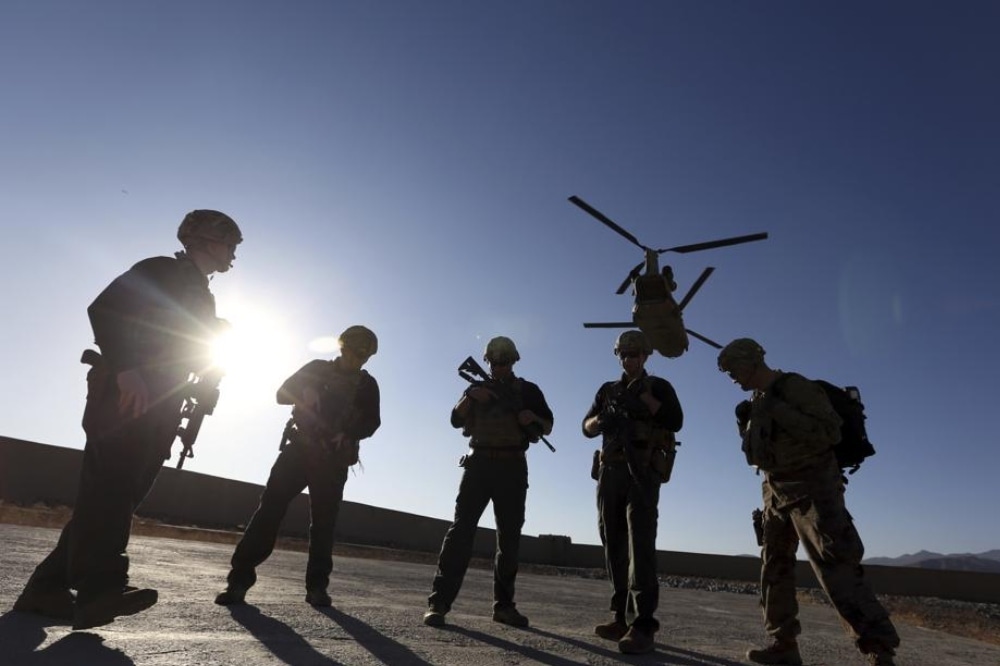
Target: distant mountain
{"x": 986, "y": 562}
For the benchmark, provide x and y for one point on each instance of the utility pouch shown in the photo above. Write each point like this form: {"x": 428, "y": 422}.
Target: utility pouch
{"x": 662, "y": 460}
{"x": 595, "y": 466}
{"x": 758, "y": 526}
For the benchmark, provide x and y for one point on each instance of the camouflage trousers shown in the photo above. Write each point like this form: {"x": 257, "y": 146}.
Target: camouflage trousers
{"x": 809, "y": 509}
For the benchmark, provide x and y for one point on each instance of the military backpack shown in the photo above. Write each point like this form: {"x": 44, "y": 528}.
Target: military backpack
{"x": 854, "y": 446}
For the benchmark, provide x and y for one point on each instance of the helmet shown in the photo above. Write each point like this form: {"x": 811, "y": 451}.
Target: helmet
{"x": 360, "y": 340}
{"x": 501, "y": 349}
{"x": 741, "y": 351}
{"x": 635, "y": 341}
{"x": 209, "y": 225}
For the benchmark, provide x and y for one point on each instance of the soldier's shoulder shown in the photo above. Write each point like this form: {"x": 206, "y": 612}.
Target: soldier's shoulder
{"x": 153, "y": 264}
{"x": 793, "y": 383}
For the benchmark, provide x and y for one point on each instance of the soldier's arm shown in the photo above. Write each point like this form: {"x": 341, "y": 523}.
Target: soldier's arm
{"x": 669, "y": 415}
{"x": 536, "y": 403}
{"x": 292, "y": 389}
{"x": 592, "y": 419}
{"x": 366, "y": 416}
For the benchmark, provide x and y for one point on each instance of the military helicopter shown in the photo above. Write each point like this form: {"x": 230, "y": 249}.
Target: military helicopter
{"x": 655, "y": 312}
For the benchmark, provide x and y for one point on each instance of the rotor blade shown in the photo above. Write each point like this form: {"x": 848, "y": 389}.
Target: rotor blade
{"x": 631, "y": 276}
{"x": 736, "y": 240}
{"x": 605, "y": 219}
{"x": 695, "y": 287}
{"x": 710, "y": 343}
{"x": 611, "y": 324}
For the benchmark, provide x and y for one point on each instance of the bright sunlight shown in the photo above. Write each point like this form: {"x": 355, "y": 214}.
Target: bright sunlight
{"x": 256, "y": 354}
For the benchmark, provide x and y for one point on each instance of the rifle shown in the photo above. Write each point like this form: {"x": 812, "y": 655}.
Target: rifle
{"x": 203, "y": 396}
{"x": 617, "y": 425}
{"x": 474, "y": 373}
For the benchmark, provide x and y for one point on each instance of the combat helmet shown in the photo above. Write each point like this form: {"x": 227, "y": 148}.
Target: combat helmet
{"x": 501, "y": 350}
{"x": 210, "y": 225}
{"x": 633, "y": 341}
{"x": 741, "y": 351}
{"x": 360, "y": 340}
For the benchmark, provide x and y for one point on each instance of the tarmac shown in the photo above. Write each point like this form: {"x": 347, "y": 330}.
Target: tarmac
{"x": 377, "y": 619}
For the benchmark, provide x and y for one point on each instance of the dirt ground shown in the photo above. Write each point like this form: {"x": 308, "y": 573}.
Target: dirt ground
{"x": 968, "y": 620}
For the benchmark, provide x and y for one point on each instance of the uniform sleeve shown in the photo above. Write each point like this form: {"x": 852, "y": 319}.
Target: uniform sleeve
{"x": 309, "y": 374}
{"x": 595, "y": 409}
{"x": 534, "y": 400}
{"x": 669, "y": 415}
{"x": 801, "y": 408}
{"x": 366, "y": 416}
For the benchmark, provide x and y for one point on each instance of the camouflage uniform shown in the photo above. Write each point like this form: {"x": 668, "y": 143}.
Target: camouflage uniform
{"x": 790, "y": 436}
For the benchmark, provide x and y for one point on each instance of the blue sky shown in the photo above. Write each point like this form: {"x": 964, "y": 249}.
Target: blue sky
{"x": 406, "y": 166}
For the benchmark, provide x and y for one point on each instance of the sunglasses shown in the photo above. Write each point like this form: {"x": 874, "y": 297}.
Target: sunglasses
{"x": 629, "y": 354}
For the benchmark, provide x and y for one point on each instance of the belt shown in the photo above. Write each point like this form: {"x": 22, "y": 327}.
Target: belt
{"x": 484, "y": 452}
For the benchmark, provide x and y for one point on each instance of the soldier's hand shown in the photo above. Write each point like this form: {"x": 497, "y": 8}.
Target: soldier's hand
{"x": 133, "y": 396}
{"x": 527, "y": 417}
{"x": 481, "y": 394}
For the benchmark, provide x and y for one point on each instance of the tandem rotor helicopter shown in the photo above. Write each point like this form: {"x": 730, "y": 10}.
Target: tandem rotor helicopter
{"x": 655, "y": 312}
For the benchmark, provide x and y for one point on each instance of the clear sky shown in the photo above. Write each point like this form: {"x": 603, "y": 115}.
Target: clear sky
{"x": 407, "y": 166}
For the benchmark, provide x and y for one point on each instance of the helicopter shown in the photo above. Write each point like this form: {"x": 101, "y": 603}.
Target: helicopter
{"x": 655, "y": 312}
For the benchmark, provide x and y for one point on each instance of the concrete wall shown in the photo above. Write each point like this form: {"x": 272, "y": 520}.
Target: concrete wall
{"x": 32, "y": 473}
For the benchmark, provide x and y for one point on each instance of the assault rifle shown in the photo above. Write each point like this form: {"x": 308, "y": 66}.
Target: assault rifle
{"x": 203, "y": 396}
{"x": 616, "y": 424}
{"x": 474, "y": 373}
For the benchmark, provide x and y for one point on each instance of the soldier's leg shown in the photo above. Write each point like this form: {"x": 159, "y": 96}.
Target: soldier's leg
{"x": 777, "y": 575}
{"x": 643, "y": 583}
{"x": 612, "y": 521}
{"x": 286, "y": 481}
{"x": 117, "y": 473}
{"x": 510, "y": 493}
{"x": 835, "y": 552}
{"x": 326, "y": 491}
{"x": 456, "y": 549}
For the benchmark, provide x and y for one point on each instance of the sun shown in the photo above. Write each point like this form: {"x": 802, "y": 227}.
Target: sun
{"x": 256, "y": 354}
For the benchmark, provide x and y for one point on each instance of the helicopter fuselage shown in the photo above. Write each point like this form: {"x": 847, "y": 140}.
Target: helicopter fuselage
{"x": 657, "y": 314}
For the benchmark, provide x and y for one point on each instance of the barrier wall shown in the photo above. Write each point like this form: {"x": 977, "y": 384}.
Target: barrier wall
{"x": 31, "y": 473}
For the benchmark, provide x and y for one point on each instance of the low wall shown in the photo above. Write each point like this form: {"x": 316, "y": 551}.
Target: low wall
{"x": 32, "y": 473}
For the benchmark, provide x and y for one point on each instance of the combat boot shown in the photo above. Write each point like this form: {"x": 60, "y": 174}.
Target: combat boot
{"x": 881, "y": 657}
{"x": 612, "y": 631}
{"x": 637, "y": 641}
{"x": 318, "y": 597}
{"x": 233, "y": 595}
{"x": 434, "y": 617}
{"x": 56, "y": 604}
{"x": 104, "y": 608}
{"x": 510, "y": 616}
{"x": 782, "y": 651}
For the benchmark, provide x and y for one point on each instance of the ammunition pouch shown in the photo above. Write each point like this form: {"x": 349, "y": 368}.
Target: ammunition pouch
{"x": 758, "y": 526}
{"x": 595, "y": 465}
{"x": 662, "y": 459}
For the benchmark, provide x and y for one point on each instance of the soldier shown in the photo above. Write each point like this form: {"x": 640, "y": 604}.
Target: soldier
{"x": 501, "y": 419}
{"x": 789, "y": 430}
{"x": 336, "y": 404}
{"x": 638, "y": 415}
{"x": 154, "y": 325}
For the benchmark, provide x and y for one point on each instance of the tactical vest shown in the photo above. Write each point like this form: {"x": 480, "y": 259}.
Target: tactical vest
{"x": 494, "y": 425}
{"x": 646, "y": 432}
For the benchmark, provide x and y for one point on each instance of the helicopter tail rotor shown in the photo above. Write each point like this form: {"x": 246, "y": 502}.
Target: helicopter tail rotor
{"x": 695, "y": 287}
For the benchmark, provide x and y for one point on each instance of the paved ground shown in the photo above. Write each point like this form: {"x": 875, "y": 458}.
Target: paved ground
{"x": 376, "y": 619}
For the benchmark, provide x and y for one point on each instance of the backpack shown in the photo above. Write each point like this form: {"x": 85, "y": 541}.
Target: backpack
{"x": 853, "y": 447}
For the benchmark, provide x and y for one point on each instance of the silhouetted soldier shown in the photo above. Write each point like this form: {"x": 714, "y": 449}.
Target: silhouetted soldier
{"x": 498, "y": 418}
{"x": 789, "y": 429}
{"x": 154, "y": 325}
{"x": 336, "y": 406}
{"x": 638, "y": 415}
